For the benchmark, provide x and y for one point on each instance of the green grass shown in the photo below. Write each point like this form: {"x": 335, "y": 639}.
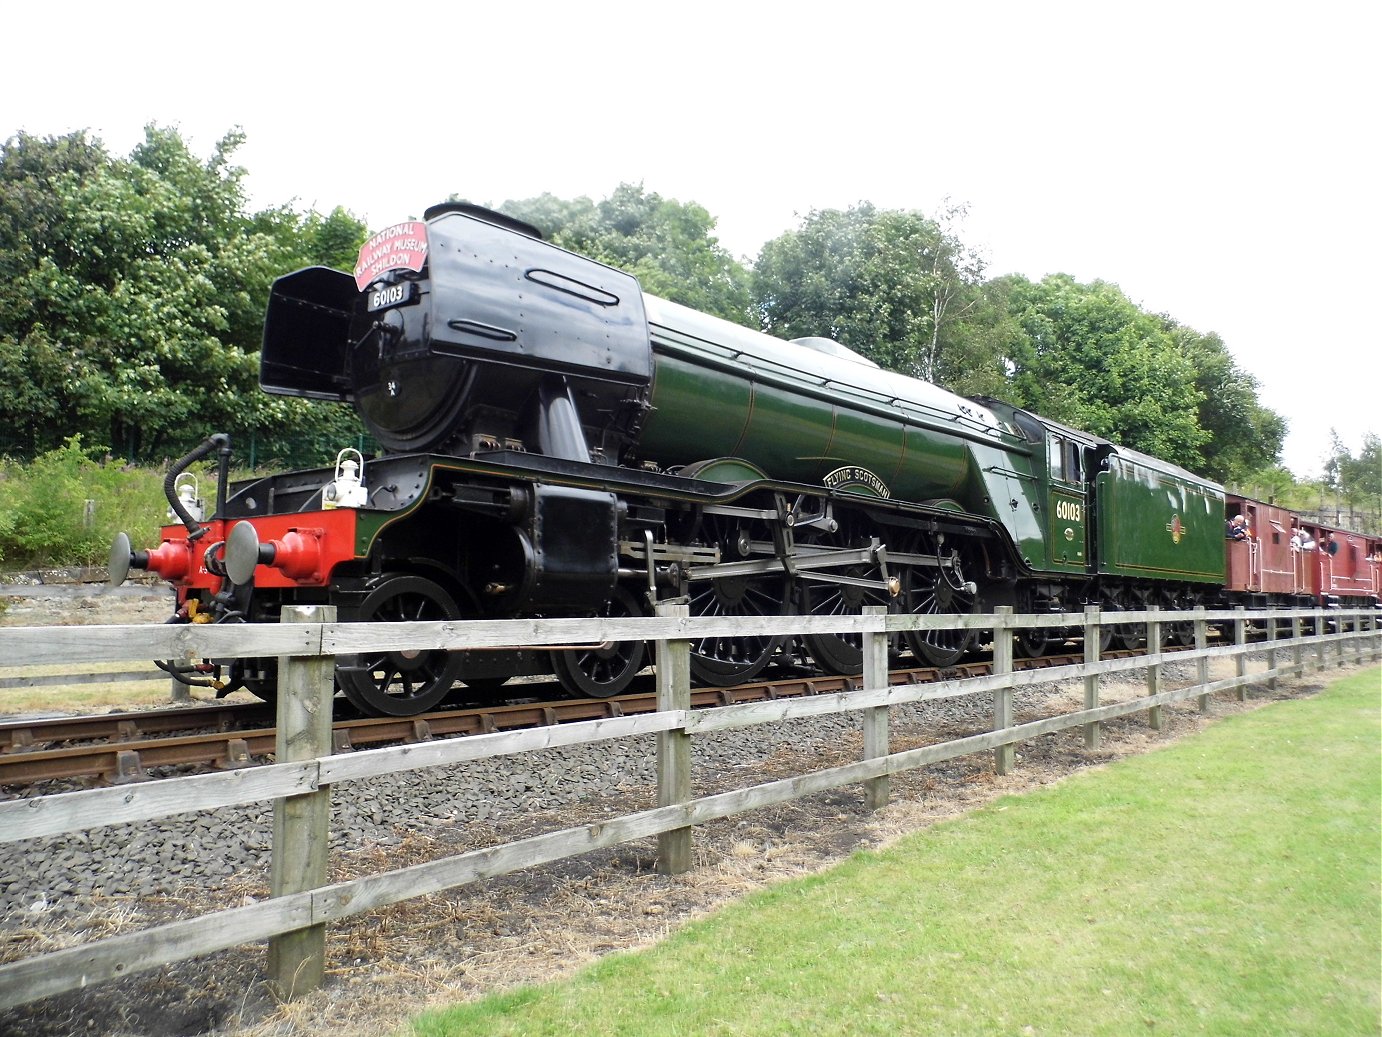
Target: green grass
{"x": 1226, "y": 885}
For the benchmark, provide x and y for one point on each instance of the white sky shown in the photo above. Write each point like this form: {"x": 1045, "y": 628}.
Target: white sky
{"x": 1215, "y": 160}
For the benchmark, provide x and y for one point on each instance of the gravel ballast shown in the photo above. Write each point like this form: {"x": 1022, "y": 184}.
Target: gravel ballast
{"x": 218, "y": 848}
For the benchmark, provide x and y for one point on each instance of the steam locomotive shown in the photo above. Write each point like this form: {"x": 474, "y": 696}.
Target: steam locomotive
{"x": 555, "y": 442}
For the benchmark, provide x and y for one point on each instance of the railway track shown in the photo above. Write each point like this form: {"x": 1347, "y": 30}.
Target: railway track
{"x": 115, "y": 748}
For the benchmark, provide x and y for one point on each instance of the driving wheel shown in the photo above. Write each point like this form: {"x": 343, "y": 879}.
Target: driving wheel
{"x": 841, "y": 654}
{"x": 938, "y": 590}
{"x": 733, "y": 658}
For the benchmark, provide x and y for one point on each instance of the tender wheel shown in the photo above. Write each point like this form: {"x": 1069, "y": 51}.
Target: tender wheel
{"x": 401, "y": 684}
{"x": 609, "y": 669}
{"x": 938, "y": 591}
{"x": 736, "y": 658}
{"x": 841, "y": 653}
{"x": 1118, "y": 637}
{"x": 1182, "y": 634}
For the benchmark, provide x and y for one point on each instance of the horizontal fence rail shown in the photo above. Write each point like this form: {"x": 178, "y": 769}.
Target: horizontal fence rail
{"x": 302, "y": 903}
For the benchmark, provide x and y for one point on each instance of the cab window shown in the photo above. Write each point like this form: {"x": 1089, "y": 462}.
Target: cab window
{"x": 1065, "y": 459}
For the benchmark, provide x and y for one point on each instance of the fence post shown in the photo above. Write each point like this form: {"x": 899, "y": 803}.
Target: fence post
{"x": 1297, "y": 649}
{"x": 674, "y": 747}
{"x": 1240, "y": 641}
{"x": 1003, "y": 755}
{"x": 178, "y": 691}
{"x": 1358, "y": 638}
{"x": 1271, "y": 653}
{"x": 1091, "y": 681}
{"x": 302, "y": 824}
{"x": 875, "y": 720}
{"x": 1319, "y": 642}
{"x": 1202, "y": 663}
{"x": 1340, "y": 626}
{"x": 1154, "y": 680}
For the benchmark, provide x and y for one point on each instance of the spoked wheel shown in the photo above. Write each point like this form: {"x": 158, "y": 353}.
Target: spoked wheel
{"x": 841, "y": 653}
{"x": 1118, "y": 636}
{"x": 1182, "y": 634}
{"x": 402, "y": 683}
{"x": 1109, "y": 639}
{"x": 938, "y": 590}
{"x": 607, "y": 669}
{"x": 732, "y": 659}
{"x": 1032, "y": 644}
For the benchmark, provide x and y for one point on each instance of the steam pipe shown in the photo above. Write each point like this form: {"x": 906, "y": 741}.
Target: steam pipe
{"x": 219, "y": 441}
{"x": 559, "y": 432}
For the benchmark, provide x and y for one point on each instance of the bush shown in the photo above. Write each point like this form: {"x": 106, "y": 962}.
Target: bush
{"x": 44, "y": 516}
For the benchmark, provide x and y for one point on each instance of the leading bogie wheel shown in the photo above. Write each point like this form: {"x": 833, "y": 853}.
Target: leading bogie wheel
{"x": 607, "y": 669}
{"x": 401, "y": 683}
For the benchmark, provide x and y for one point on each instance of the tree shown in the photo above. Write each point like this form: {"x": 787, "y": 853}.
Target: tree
{"x": 1243, "y": 436}
{"x": 1088, "y": 357}
{"x": 668, "y": 245}
{"x": 1356, "y": 482}
{"x": 895, "y": 286}
{"x": 133, "y": 294}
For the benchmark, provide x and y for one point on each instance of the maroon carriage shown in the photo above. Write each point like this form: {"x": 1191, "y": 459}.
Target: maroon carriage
{"x": 1344, "y": 568}
{"x": 1280, "y": 556}
{"x": 1265, "y": 561}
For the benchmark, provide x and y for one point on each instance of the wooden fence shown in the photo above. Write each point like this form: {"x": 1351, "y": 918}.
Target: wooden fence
{"x": 302, "y": 903}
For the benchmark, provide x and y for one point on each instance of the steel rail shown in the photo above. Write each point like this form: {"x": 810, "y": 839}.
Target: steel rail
{"x": 127, "y": 755}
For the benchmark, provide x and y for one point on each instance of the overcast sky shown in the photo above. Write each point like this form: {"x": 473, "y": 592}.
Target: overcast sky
{"x": 1217, "y": 161}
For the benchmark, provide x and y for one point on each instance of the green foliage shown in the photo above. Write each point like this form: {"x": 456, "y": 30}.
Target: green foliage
{"x": 1190, "y": 890}
{"x": 1277, "y": 484}
{"x": 1243, "y": 436}
{"x": 132, "y": 293}
{"x": 898, "y": 287}
{"x": 1354, "y": 484}
{"x": 44, "y": 512}
{"x": 668, "y": 245}
{"x": 1088, "y": 357}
